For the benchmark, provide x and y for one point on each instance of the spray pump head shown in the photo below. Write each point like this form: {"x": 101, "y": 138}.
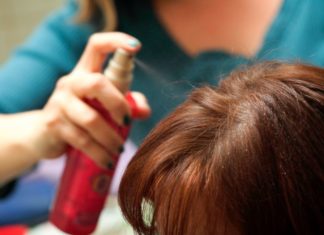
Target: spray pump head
{"x": 120, "y": 69}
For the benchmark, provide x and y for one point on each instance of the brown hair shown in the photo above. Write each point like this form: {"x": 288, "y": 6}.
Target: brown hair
{"x": 246, "y": 157}
{"x": 106, "y": 8}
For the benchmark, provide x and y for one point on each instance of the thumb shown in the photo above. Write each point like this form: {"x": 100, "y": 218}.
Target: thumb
{"x": 139, "y": 105}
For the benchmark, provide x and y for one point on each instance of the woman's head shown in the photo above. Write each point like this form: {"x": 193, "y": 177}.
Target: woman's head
{"x": 246, "y": 157}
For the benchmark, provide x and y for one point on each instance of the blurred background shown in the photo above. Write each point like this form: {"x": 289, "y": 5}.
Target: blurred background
{"x": 18, "y": 18}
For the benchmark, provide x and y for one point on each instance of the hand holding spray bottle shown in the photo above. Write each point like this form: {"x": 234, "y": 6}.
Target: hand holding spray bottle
{"x": 84, "y": 185}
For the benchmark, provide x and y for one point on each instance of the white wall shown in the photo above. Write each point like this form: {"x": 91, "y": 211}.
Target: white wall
{"x": 18, "y": 18}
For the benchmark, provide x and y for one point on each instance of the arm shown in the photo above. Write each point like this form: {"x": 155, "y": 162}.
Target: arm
{"x": 21, "y": 136}
{"x": 29, "y": 76}
{"x": 66, "y": 119}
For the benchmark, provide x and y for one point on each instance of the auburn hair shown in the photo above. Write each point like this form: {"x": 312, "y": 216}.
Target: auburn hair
{"x": 245, "y": 157}
{"x": 88, "y": 9}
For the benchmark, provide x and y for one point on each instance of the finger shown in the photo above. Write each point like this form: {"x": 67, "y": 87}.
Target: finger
{"x": 87, "y": 118}
{"x": 142, "y": 108}
{"x": 99, "y": 87}
{"x": 79, "y": 139}
{"x": 99, "y": 45}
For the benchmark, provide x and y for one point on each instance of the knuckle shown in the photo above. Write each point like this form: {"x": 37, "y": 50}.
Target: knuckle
{"x": 94, "y": 39}
{"x": 91, "y": 119}
{"x": 96, "y": 82}
{"x": 100, "y": 156}
{"x": 53, "y": 120}
{"x": 103, "y": 158}
{"x": 98, "y": 76}
{"x": 83, "y": 141}
{"x": 58, "y": 99}
{"x": 113, "y": 145}
{"x": 119, "y": 104}
{"x": 62, "y": 83}
{"x": 117, "y": 141}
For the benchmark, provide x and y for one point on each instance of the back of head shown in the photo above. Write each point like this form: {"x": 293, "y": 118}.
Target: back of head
{"x": 246, "y": 157}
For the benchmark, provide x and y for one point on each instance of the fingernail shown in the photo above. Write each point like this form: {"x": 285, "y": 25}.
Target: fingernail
{"x": 134, "y": 42}
{"x": 121, "y": 149}
{"x": 110, "y": 166}
{"x": 127, "y": 120}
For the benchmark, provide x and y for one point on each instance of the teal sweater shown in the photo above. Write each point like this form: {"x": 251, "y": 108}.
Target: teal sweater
{"x": 165, "y": 74}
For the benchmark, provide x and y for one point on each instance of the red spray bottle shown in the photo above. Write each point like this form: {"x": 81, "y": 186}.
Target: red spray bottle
{"x": 84, "y": 185}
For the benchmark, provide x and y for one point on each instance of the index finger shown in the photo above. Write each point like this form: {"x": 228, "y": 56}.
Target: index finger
{"x": 101, "y": 44}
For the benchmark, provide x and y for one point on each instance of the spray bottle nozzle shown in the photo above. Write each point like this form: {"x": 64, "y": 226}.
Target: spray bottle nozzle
{"x": 120, "y": 68}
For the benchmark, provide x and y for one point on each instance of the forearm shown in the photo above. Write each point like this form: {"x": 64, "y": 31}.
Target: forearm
{"x": 20, "y": 139}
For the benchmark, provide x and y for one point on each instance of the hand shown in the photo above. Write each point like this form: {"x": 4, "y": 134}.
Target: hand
{"x": 69, "y": 120}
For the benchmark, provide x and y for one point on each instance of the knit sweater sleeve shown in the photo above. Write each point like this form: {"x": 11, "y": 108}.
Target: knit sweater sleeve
{"x": 28, "y": 77}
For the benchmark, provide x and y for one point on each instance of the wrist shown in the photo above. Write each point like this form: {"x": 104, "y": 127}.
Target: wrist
{"x": 23, "y": 133}
{"x": 20, "y": 137}
{"x": 26, "y": 134}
